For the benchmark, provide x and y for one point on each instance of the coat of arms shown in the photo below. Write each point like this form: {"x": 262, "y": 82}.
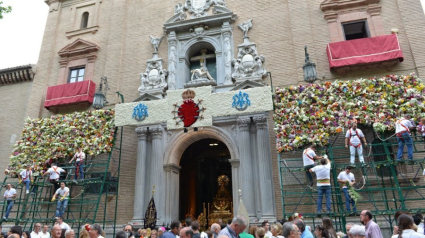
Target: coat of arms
{"x": 198, "y": 8}
{"x": 189, "y": 111}
{"x": 140, "y": 112}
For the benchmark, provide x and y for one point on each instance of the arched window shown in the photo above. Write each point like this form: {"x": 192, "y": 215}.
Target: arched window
{"x": 84, "y": 20}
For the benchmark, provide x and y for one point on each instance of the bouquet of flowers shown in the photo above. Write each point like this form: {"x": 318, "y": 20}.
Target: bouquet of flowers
{"x": 312, "y": 113}
{"x": 44, "y": 140}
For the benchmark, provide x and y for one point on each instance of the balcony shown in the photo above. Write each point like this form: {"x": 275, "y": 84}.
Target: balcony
{"x": 70, "y": 94}
{"x": 381, "y": 51}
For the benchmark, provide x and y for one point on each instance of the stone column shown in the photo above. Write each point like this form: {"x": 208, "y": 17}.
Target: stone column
{"x": 226, "y": 32}
{"x": 157, "y": 169}
{"x": 172, "y": 177}
{"x": 235, "y": 184}
{"x": 264, "y": 168}
{"x": 246, "y": 172}
{"x": 140, "y": 186}
{"x": 172, "y": 60}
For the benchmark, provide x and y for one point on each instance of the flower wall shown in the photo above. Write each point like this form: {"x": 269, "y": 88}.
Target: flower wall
{"x": 312, "y": 113}
{"x": 44, "y": 140}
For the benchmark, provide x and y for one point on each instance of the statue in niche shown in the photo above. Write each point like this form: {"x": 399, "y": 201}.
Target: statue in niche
{"x": 155, "y": 42}
{"x": 201, "y": 73}
{"x": 245, "y": 27}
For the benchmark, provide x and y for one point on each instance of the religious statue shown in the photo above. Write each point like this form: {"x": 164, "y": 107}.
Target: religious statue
{"x": 179, "y": 8}
{"x": 222, "y": 206}
{"x": 201, "y": 73}
{"x": 245, "y": 27}
{"x": 155, "y": 42}
{"x": 219, "y": 3}
{"x": 307, "y": 55}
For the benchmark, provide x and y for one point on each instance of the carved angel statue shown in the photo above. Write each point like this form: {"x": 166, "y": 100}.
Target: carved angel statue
{"x": 155, "y": 42}
{"x": 219, "y": 3}
{"x": 200, "y": 73}
{"x": 179, "y": 9}
{"x": 245, "y": 27}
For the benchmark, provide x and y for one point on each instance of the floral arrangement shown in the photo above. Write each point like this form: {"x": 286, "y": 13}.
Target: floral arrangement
{"x": 354, "y": 194}
{"x": 44, "y": 140}
{"x": 312, "y": 113}
{"x": 295, "y": 216}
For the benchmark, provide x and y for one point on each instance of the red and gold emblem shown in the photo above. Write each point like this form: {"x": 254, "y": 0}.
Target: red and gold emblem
{"x": 189, "y": 111}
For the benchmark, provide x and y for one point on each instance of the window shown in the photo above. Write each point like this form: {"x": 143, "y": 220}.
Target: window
{"x": 84, "y": 20}
{"x": 355, "y": 30}
{"x": 76, "y": 75}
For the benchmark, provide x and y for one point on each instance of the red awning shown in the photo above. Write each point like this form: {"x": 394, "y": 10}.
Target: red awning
{"x": 70, "y": 93}
{"x": 364, "y": 51}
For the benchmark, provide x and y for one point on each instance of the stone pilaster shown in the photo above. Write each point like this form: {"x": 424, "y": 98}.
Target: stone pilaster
{"x": 226, "y": 32}
{"x": 140, "y": 186}
{"x": 264, "y": 169}
{"x": 235, "y": 184}
{"x": 157, "y": 168}
{"x": 246, "y": 165}
{"x": 172, "y": 177}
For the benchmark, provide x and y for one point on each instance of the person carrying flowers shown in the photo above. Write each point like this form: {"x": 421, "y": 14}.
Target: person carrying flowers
{"x": 79, "y": 163}
{"x": 402, "y": 130}
{"x": 352, "y": 139}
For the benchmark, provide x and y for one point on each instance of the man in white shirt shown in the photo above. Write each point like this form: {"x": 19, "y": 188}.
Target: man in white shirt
{"x": 352, "y": 139}
{"x": 54, "y": 175}
{"x": 36, "y": 233}
{"x": 9, "y": 196}
{"x": 62, "y": 224}
{"x": 343, "y": 178}
{"x": 26, "y": 177}
{"x": 309, "y": 155}
{"x": 56, "y": 231}
{"x": 266, "y": 226}
{"x": 45, "y": 232}
{"x": 323, "y": 173}
{"x": 79, "y": 163}
{"x": 63, "y": 194}
{"x": 402, "y": 130}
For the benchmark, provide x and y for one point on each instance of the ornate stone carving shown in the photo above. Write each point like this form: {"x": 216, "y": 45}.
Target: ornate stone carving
{"x": 243, "y": 123}
{"x": 198, "y": 8}
{"x": 199, "y": 31}
{"x": 156, "y": 132}
{"x": 219, "y": 3}
{"x": 153, "y": 77}
{"x": 248, "y": 65}
{"x": 226, "y": 33}
{"x": 179, "y": 12}
{"x": 172, "y": 60}
{"x": 245, "y": 27}
{"x": 260, "y": 121}
{"x": 156, "y": 41}
{"x": 142, "y": 132}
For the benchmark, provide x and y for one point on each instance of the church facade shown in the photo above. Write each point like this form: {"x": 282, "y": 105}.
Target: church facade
{"x": 197, "y": 77}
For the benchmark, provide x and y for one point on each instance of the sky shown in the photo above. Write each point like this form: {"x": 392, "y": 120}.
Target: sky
{"x": 22, "y": 32}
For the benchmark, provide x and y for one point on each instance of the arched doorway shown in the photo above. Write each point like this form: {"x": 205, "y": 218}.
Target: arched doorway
{"x": 201, "y": 164}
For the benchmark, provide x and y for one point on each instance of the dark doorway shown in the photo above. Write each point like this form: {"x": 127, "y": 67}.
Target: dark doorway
{"x": 201, "y": 164}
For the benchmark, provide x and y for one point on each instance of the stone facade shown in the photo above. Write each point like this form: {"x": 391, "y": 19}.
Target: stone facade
{"x": 120, "y": 29}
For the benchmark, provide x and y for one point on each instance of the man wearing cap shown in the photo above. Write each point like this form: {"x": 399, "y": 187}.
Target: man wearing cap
{"x": 343, "y": 178}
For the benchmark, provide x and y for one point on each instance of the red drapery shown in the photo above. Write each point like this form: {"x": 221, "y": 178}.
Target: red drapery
{"x": 364, "y": 51}
{"x": 70, "y": 93}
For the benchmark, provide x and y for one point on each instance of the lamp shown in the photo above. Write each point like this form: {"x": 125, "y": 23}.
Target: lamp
{"x": 310, "y": 74}
{"x": 99, "y": 99}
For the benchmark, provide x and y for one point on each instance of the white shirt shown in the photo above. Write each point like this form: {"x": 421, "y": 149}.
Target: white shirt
{"x": 25, "y": 174}
{"x": 79, "y": 156}
{"x": 323, "y": 172}
{"x": 61, "y": 192}
{"x": 421, "y": 228}
{"x": 35, "y": 235}
{"x": 9, "y": 192}
{"x": 355, "y": 140}
{"x": 268, "y": 234}
{"x": 402, "y": 124}
{"x": 55, "y": 172}
{"x": 64, "y": 226}
{"x": 308, "y": 156}
{"x": 44, "y": 235}
{"x": 409, "y": 233}
{"x": 344, "y": 176}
